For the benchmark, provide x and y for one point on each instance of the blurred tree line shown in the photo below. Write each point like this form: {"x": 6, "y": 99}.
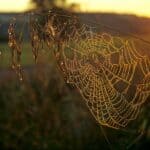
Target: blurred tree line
{"x": 47, "y": 4}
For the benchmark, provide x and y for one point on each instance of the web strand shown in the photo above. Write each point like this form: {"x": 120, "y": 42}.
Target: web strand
{"x": 86, "y": 62}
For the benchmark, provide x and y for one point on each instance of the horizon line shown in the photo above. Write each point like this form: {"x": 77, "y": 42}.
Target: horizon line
{"x": 85, "y": 12}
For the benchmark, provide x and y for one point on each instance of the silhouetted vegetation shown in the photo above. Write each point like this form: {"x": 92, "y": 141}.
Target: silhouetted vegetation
{"x": 47, "y": 4}
{"x": 43, "y": 112}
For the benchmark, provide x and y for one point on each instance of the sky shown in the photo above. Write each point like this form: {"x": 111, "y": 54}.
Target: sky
{"x": 138, "y": 7}
{"x": 14, "y": 5}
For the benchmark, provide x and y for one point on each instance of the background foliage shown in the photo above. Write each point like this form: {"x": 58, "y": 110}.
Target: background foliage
{"x": 44, "y": 113}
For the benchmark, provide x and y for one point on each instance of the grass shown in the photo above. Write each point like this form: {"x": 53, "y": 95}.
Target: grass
{"x": 44, "y": 113}
{"x": 26, "y": 57}
{"x": 5, "y": 60}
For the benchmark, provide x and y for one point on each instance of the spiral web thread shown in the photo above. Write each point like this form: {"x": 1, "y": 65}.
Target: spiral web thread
{"x": 102, "y": 67}
{"x": 85, "y": 59}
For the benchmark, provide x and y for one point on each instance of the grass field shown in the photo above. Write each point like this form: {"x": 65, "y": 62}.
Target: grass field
{"x": 44, "y": 113}
{"x": 26, "y": 57}
{"x": 5, "y": 60}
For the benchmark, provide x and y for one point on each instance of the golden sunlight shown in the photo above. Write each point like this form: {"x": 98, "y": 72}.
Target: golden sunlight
{"x": 137, "y": 7}
{"x": 14, "y": 5}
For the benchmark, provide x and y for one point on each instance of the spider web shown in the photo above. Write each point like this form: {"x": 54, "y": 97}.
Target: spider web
{"x": 102, "y": 67}
{"x": 86, "y": 62}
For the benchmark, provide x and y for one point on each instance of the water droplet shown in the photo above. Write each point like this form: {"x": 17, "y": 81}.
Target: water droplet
{"x": 13, "y": 66}
{"x": 14, "y": 19}
{"x": 18, "y": 65}
{"x": 20, "y": 78}
{"x": 10, "y": 44}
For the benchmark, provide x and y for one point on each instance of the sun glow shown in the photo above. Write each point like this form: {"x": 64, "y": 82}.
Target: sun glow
{"x": 14, "y": 5}
{"x": 137, "y": 7}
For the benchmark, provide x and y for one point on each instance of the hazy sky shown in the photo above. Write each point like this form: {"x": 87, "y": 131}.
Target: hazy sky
{"x": 138, "y": 7}
{"x": 14, "y": 5}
